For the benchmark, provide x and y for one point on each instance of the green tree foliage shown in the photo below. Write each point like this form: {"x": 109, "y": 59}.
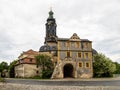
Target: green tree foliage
{"x": 46, "y": 65}
{"x": 103, "y": 66}
{"x": 117, "y": 68}
{"x": 3, "y": 66}
{"x": 11, "y": 69}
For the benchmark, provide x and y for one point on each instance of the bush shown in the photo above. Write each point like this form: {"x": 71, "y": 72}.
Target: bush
{"x": 103, "y": 66}
{"x": 46, "y": 65}
{"x": 47, "y": 74}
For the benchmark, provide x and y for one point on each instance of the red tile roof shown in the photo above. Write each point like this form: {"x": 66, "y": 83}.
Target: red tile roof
{"x": 28, "y": 57}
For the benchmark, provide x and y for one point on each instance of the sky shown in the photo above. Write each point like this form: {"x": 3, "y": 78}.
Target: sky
{"x": 22, "y": 24}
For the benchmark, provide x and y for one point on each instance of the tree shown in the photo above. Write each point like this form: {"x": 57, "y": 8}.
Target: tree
{"x": 103, "y": 66}
{"x": 11, "y": 69}
{"x": 3, "y": 66}
{"x": 117, "y": 68}
{"x": 46, "y": 65}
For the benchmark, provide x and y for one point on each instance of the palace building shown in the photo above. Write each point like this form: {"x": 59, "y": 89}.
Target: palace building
{"x": 73, "y": 56}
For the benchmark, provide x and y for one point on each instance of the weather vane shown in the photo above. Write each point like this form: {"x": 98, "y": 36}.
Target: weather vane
{"x": 50, "y": 8}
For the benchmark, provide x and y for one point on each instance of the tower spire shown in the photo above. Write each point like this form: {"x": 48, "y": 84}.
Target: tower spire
{"x": 50, "y": 14}
{"x": 51, "y": 28}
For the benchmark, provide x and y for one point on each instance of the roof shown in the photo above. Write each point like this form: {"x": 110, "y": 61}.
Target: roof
{"x": 30, "y": 54}
{"x": 85, "y": 40}
{"x": 67, "y": 39}
{"x": 46, "y": 48}
{"x": 74, "y": 37}
{"x": 26, "y": 61}
{"x": 94, "y": 51}
{"x": 26, "y": 56}
{"x": 63, "y": 39}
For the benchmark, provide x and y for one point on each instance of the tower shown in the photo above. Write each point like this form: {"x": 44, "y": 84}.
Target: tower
{"x": 51, "y": 36}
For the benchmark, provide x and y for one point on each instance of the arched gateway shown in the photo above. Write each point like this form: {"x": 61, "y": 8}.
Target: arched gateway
{"x": 68, "y": 71}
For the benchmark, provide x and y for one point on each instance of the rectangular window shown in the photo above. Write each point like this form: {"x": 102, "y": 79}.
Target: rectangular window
{"x": 86, "y": 55}
{"x": 68, "y": 53}
{"x": 80, "y": 64}
{"x": 87, "y": 65}
{"x": 79, "y": 54}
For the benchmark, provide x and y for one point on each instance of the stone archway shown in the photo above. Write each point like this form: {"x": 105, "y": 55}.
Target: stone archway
{"x": 68, "y": 71}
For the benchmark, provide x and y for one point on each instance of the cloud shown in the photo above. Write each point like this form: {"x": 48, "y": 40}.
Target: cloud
{"x": 22, "y": 24}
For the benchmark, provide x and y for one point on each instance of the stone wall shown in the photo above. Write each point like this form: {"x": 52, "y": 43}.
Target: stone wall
{"x": 27, "y": 70}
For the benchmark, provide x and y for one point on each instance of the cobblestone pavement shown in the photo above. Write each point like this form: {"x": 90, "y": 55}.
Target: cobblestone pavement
{"x": 68, "y": 82}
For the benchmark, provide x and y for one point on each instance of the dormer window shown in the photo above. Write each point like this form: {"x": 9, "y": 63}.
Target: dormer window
{"x": 31, "y": 60}
{"x": 21, "y": 61}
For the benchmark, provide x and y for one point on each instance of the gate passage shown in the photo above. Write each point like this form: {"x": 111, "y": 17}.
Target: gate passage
{"x": 68, "y": 71}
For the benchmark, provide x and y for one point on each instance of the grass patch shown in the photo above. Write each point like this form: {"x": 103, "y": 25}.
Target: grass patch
{"x": 35, "y": 77}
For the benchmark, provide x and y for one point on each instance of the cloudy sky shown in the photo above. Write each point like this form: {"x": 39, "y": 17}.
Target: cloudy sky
{"x": 22, "y": 24}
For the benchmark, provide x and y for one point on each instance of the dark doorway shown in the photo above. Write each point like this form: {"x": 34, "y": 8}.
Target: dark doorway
{"x": 68, "y": 71}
